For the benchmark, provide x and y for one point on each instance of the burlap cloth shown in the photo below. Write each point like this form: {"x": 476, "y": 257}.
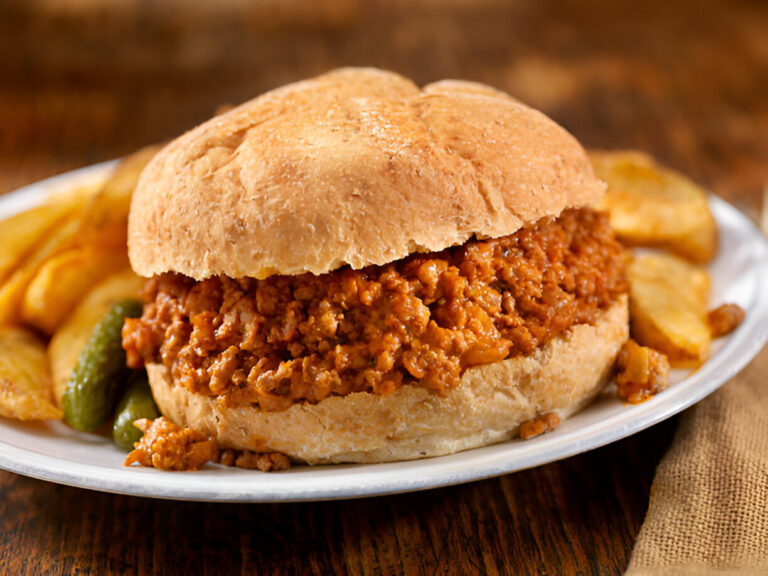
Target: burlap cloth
{"x": 708, "y": 511}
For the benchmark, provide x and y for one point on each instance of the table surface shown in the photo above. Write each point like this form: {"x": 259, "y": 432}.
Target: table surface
{"x": 78, "y": 87}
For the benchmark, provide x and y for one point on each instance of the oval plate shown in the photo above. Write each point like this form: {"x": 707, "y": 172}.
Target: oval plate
{"x": 53, "y": 451}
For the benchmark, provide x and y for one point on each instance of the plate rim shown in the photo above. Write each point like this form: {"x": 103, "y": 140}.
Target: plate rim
{"x": 400, "y": 477}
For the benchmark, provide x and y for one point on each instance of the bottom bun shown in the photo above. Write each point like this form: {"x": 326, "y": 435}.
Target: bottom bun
{"x": 486, "y": 407}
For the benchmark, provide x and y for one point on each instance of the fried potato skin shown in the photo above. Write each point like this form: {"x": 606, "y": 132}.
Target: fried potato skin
{"x": 650, "y": 205}
{"x": 61, "y": 281}
{"x": 13, "y": 290}
{"x": 105, "y": 218}
{"x": 668, "y": 308}
{"x": 23, "y": 233}
{"x": 25, "y": 384}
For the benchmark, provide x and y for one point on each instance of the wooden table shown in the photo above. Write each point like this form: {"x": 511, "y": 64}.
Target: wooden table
{"x": 689, "y": 85}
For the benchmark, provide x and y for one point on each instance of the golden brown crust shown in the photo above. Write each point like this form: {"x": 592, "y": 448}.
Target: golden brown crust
{"x": 357, "y": 167}
{"x": 487, "y": 407}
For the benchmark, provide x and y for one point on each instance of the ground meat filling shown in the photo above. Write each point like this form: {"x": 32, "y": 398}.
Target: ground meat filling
{"x": 419, "y": 321}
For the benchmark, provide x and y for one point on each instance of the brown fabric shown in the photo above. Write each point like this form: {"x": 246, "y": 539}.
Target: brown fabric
{"x": 708, "y": 509}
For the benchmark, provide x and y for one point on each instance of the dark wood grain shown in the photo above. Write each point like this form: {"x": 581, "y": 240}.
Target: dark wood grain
{"x": 688, "y": 85}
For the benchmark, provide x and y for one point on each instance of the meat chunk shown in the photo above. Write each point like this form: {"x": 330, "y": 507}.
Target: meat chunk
{"x": 725, "y": 319}
{"x": 641, "y": 372}
{"x": 540, "y": 425}
{"x": 167, "y": 446}
{"x": 264, "y": 461}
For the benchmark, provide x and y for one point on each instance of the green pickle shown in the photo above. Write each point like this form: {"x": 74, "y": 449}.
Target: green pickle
{"x": 100, "y": 375}
{"x": 137, "y": 402}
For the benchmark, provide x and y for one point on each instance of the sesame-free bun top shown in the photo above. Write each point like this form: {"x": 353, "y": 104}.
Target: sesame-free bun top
{"x": 358, "y": 167}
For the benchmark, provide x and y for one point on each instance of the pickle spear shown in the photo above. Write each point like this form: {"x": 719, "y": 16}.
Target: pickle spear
{"x": 137, "y": 403}
{"x": 100, "y": 374}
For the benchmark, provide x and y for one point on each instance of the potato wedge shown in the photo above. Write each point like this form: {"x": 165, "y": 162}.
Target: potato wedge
{"x": 13, "y": 290}
{"x": 652, "y": 206}
{"x": 25, "y": 384}
{"x": 22, "y": 233}
{"x": 70, "y": 338}
{"x": 61, "y": 282}
{"x": 105, "y": 221}
{"x": 668, "y": 307}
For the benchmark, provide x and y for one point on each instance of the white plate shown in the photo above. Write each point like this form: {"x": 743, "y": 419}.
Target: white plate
{"x": 55, "y": 452}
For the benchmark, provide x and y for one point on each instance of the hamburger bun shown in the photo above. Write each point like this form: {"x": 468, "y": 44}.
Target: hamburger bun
{"x": 354, "y": 167}
{"x": 360, "y": 167}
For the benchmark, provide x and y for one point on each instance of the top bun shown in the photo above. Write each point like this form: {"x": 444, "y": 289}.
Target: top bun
{"x": 358, "y": 167}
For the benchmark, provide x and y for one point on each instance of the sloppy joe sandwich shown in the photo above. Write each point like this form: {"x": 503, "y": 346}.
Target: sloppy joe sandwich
{"x": 354, "y": 269}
